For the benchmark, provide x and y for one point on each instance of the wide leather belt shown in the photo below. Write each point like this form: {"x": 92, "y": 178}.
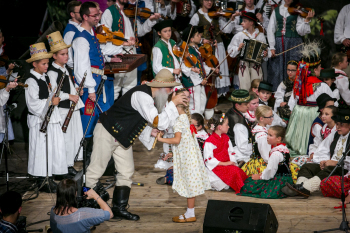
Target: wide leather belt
{"x": 97, "y": 71}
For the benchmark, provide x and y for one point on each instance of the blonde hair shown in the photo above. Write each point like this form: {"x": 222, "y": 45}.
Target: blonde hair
{"x": 185, "y": 108}
{"x": 262, "y": 111}
{"x": 254, "y": 84}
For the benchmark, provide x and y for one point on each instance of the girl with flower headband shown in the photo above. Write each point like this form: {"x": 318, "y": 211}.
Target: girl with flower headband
{"x": 190, "y": 177}
{"x": 284, "y": 91}
{"x": 219, "y": 157}
{"x": 268, "y": 184}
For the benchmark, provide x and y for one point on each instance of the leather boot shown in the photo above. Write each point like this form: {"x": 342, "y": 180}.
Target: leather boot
{"x": 120, "y": 202}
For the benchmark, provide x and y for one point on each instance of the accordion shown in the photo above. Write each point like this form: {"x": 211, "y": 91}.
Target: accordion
{"x": 253, "y": 51}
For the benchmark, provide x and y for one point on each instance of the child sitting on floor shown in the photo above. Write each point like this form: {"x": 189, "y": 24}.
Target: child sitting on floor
{"x": 329, "y": 76}
{"x": 252, "y": 106}
{"x": 219, "y": 157}
{"x": 197, "y": 121}
{"x": 269, "y": 183}
{"x": 261, "y": 148}
{"x": 190, "y": 177}
{"x": 254, "y": 86}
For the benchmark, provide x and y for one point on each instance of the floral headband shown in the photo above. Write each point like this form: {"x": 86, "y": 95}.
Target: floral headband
{"x": 222, "y": 117}
{"x": 213, "y": 126}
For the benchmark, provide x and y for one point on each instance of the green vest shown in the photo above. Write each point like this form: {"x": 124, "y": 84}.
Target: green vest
{"x": 206, "y": 25}
{"x": 291, "y": 25}
{"x": 118, "y": 20}
{"x": 186, "y": 81}
{"x": 167, "y": 60}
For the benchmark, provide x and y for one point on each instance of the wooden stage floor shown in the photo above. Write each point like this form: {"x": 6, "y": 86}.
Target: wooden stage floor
{"x": 157, "y": 204}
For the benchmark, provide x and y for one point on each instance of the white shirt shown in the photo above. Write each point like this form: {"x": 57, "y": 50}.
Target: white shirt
{"x": 68, "y": 38}
{"x": 195, "y": 77}
{"x": 318, "y": 136}
{"x": 279, "y": 95}
{"x": 35, "y": 105}
{"x": 261, "y": 139}
{"x": 243, "y": 148}
{"x": 238, "y": 27}
{"x": 157, "y": 57}
{"x": 342, "y": 25}
{"x": 302, "y": 27}
{"x": 64, "y": 96}
{"x": 240, "y": 36}
{"x": 342, "y": 83}
{"x": 222, "y": 21}
{"x": 209, "y": 158}
{"x": 275, "y": 158}
{"x": 144, "y": 104}
{"x": 323, "y": 88}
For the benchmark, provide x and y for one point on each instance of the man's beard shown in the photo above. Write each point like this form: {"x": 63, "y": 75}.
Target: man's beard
{"x": 161, "y": 99}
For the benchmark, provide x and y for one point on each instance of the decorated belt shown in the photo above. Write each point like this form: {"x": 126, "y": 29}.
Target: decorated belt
{"x": 97, "y": 71}
{"x": 308, "y": 103}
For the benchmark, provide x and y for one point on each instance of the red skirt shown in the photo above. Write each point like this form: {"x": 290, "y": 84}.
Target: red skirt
{"x": 332, "y": 188}
{"x": 231, "y": 175}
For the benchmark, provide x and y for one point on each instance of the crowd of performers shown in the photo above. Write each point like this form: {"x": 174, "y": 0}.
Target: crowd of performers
{"x": 285, "y": 132}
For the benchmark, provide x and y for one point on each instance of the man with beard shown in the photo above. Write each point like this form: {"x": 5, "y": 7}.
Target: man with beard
{"x": 115, "y": 19}
{"x": 10, "y": 207}
{"x": 134, "y": 115}
{"x": 73, "y": 9}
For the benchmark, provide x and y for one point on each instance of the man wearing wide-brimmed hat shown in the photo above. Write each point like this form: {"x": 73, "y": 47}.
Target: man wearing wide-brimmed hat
{"x": 240, "y": 133}
{"x": 37, "y": 94}
{"x": 134, "y": 115}
{"x": 329, "y": 153}
{"x": 74, "y": 131}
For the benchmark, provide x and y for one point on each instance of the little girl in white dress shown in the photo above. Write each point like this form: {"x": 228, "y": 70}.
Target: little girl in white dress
{"x": 190, "y": 177}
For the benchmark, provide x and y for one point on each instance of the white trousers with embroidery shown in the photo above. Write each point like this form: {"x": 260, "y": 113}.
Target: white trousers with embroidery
{"x": 247, "y": 72}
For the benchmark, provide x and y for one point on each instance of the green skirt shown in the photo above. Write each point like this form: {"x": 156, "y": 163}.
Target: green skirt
{"x": 268, "y": 189}
{"x": 299, "y": 127}
{"x": 254, "y": 166}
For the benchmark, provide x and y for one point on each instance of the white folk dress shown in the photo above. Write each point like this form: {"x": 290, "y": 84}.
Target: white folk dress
{"x": 190, "y": 177}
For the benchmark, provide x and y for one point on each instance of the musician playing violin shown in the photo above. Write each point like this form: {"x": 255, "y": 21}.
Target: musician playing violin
{"x": 115, "y": 19}
{"x": 284, "y": 32}
{"x": 162, "y": 52}
{"x": 194, "y": 78}
{"x": 212, "y": 27}
{"x": 248, "y": 71}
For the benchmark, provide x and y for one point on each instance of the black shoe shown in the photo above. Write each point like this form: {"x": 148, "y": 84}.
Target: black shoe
{"x": 50, "y": 187}
{"x": 289, "y": 192}
{"x": 120, "y": 202}
{"x": 299, "y": 189}
{"x": 72, "y": 171}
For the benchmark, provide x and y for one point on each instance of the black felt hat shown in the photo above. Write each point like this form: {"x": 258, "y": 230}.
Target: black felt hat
{"x": 265, "y": 86}
{"x": 185, "y": 33}
{"x": 249, "y": 15}
{"x": 342, "y": 116}
{"x": 322, "y": 100}
{"x": 163, "y": 24}
{"x": 240, "y": 96}
{"x": 328, "y": 73}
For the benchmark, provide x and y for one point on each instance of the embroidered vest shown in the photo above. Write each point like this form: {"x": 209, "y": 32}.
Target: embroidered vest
{"x": 118, "y": 20}
{"x": 221, "y": 143}
{"x": 70, "y": 28}
{"x": 206, "y": 25}
{"x": 186, "y": 81}
{"x": 168, "y": 60}
{"x": 334, "y": 144}
{"x": 283, "y": 167}
{"x": 122, "y": 121}
{"x": 291, "y": 25}
{"x": 66, "y": 84}
{"x": 235, "y": 117}
{"x": 256, "y": 153}
{"x": 43, "y": 87}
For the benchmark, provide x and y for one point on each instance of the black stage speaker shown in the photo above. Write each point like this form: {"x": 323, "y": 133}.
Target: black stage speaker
{"x": 239, "y": 217}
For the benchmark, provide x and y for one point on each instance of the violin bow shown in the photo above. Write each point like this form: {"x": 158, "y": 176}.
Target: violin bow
{"x": 183, "y": 54}
{"x": 224, "y": 27}
{"x": 212, "y": 72}
{"x": 135, "y": 22}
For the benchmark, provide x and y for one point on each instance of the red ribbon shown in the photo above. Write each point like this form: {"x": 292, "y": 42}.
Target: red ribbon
{"x": 193, "y": 129}
{"x": 321, "y": 32}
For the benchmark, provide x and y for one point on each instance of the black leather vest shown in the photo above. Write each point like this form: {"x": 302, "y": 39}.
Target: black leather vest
{"x": 122, "y": 121}
{"x": 43, "y": 87}
{"x": 334, "y": 144}
{"x": 234, "y": 117}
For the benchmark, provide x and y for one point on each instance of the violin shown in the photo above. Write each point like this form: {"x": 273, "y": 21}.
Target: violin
{"x": 189, "y": 59}
{"x": 4, "y": 82}
{"x": 227, "y": 13}
{"x": 143, "y": 12}
{"x": 105, "y": 35}
{"x": 4, "y": 60}
{"x": 299, "y": 10}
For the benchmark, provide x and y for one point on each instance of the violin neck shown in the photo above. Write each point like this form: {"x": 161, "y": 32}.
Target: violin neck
{"x": 146, "y": 11}
{"x": 120, "y": 38}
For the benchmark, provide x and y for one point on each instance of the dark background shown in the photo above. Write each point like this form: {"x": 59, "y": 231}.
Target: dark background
{"x": 20, "y": 21}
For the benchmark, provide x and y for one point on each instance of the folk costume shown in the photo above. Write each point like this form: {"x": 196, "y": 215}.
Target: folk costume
{"x": 74, "y": 131}
{"x": 162, "y": 52}
{"x": 68, "y": 35}
{"x": 37, "y": 94}
{"x": 242, "y": 143}
{"x": 115, "y": 19}
{"x": 201, "y": 136}
{"x": 260, "y": 155}
{"x": 213, "y": 26}
{"x": 192, "y": 80}
{"x": 332, "y": 187}
{"x": 302, "y": 103}
{"x": 273, "y": 178}
{"x": 284, "y": 32}
{"x": 330, "y": 74}
{"x": 238, "y": 20}
{"x": 250, "y": 117}
{"x": 117, "y": 130}
{"x": 332, "y": 148}
{"x": 343, "y": 85}
{"x": 219, "y": 149}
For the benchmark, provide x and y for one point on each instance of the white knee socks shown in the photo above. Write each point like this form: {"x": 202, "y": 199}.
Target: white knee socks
{"x": 312, "y": 184}
{"x": 301, "y": 179}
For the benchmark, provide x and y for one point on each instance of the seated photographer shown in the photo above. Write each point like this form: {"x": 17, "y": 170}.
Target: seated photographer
{"x": 10, "y": 207}
{"x": 66, "y": 217}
